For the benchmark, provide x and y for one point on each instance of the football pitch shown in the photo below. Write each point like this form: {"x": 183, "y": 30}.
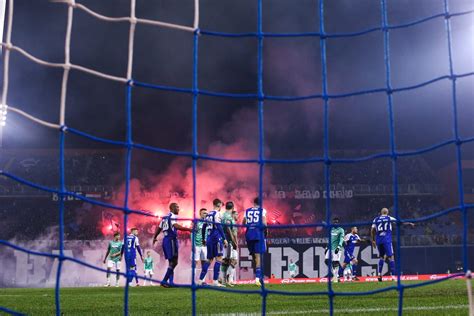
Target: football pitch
{"x": 445, "y": 298}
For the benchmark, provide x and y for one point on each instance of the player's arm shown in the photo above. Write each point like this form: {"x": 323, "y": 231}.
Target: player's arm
{"x": 182, "y": 228}
{"x": 157, "y": 232}
{"x": 408, "y": 224}
{"x": 218, "y": 223}
{"x": 264, "y": 223}
{"x": 139, "y": 249}
{"x": 233, "y": 240}
{"x": 393, "y": 219}
{"x": 372, "y": 235}
{"x": 140, "y": 252}
{"x": 359, "y": 240}
{"x": 107, "y": 253}
{"x": 203, "y": 233}
{"x": 341, "y": 241}
{"x": 122, "y": 250}
{"x": 346, "y": 239}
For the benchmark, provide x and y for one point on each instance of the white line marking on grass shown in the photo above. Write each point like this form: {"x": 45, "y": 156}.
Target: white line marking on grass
{"x": 352, "y": 310}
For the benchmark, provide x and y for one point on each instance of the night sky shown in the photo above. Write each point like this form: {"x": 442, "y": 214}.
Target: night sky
{"x": 292, "y": 66}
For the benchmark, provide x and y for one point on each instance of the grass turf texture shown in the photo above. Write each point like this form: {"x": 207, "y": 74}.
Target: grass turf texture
{"x": 445, "y": 298}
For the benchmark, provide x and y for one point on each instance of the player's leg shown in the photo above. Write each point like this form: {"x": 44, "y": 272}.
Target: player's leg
{"x": 136, "y": 274}
{"x": 132, "y": 273}
{"x": 333, "y": 268}
{"x": 210, "y": 257}
{"x": 109, "y": 268}
{"x": 169, "y": 270}
{"x": 226, "y": 263}
{"x": 108, "y": 277}
{"x": 168, "y": 252}
{"x": 232, "y": 265}
{"x": 218, "y": 262}
{"x": 259, "y": 250}
{"x": 258, "y": 269}
{"x": 381, "y": 249}
{"x": 342, "y": 268}
{"x": 347, "y": 260}
{"x": 169, "y": 275}
{"x": 173, "y": 262}
{"x": 117, "y": 276}
{"x": 204, "y": 263}
{"x": 129, "y": 265}
{"x": 150, "y": 272}
{"x": 354, "y": 263}
{"x": 196, "y": 258}
{"x": 255, "y": 253}
{"x": 223, "y": 271}
{"x": 230, "y": 272}
{"x": 390, "y": 258}
{"x": 326, "y": 261}
{"x": 335, "y": 265}
{"x": 127, "y": 270}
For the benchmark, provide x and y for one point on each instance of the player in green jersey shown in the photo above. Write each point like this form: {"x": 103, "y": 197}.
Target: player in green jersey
{"x": 337, "y": 239}
{"x": 292, "y": 269}
{"x": 200, "y": 251}
{"x": 234, "y": 253}
{"x": 148, "y": 267}
{"x": 228, "y": 222}
{"x": 113, "y": 258}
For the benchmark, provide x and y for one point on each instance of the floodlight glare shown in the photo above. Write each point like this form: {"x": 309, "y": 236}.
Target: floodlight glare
{"x": 3, "y": 115}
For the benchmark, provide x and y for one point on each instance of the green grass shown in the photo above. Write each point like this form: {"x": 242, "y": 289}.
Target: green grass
{"x": 445, "y": 298}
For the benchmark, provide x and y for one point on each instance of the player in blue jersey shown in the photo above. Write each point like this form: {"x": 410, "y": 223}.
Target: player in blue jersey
{"x": 215, "y": 243}
{"x": 350, "y": 240}
{"x": 131, "y": 246}
{"x": 170, "y": 227}
{"x": 381, "y": 236}
{"x": 255, "y": 236}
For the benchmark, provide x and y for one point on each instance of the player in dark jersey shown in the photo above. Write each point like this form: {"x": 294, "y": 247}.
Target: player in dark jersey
{"x": 169, "y": 226}
{"x": 381, "y": 236}
{"x": 255, "y": 236}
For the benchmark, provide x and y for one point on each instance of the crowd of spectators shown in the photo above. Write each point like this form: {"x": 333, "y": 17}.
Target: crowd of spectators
{"x": 30, "y": 215}
{"x": 80, "y": 167}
